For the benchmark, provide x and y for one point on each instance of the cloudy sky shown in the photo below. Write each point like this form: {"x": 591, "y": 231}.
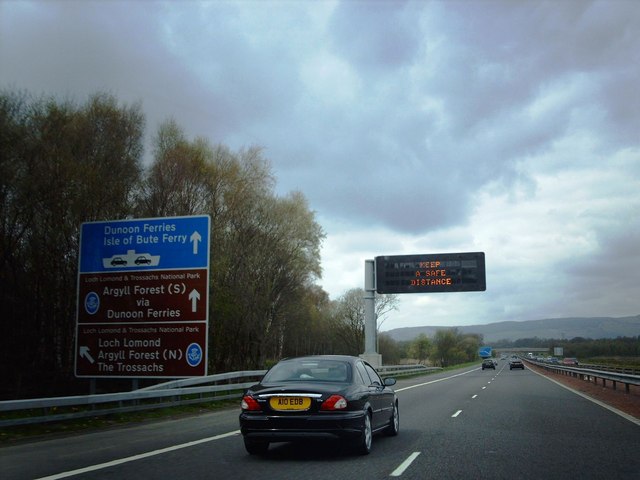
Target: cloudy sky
{"x": 505, "y": 127}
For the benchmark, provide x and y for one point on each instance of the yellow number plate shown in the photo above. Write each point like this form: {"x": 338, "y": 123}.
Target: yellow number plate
{"x": 290, "y": 403}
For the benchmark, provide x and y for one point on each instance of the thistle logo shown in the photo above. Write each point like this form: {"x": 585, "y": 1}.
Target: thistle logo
{"x": 194, "y": 355}
{"x": 92, "y": 303}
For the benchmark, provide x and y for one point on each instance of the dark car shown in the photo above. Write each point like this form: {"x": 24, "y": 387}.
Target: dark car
{"x": 143, "y": 261}
{"x": 515, "y": 362}
{"x": 488, "y": 363}
{"x": 118, "y": 261}
{"x": 319, "y": 397}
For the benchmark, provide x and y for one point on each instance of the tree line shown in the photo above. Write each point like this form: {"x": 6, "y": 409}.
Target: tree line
{"x": 63, "y": 163}
{"x": 580, "y": 347}
{"x": 450, "y": 347}
{"x": 447, "y": 347}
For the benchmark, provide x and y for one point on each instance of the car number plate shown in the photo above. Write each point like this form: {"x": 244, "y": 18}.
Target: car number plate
{"x": 290, "y": 403}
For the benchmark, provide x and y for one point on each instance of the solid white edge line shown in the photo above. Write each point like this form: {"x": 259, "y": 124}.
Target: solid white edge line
{"x": 404, "y": 465}
{"x": 626, "y": 416}
{"x": 133, "y": 458}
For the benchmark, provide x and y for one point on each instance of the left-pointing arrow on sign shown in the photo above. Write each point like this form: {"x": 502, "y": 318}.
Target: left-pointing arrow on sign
{"x": 84, "y": 352}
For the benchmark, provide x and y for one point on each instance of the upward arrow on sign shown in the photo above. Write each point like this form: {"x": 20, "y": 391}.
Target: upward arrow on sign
{"x": 195, "y": 238}
{"x": 194, "y": 296}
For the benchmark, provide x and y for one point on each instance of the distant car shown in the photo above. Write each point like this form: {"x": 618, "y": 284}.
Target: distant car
{"x": 553, "y": 360}
{"x": 142, "y": 261}
{"x": 118, "y": 261}
{"x": 322, "y": 397}
{"x": 570, "y": 361}
{"x": 488, "y": 363}
{"x": 515, "y": 363}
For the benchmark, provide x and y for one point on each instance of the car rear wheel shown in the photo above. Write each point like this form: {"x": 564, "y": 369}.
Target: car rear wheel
{"x": 363, "y": 444}
{"x": 394, "y": 424}
{"x": 255, "y": 447}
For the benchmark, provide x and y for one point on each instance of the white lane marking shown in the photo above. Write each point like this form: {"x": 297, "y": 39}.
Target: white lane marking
{"x": 133, "y": 458}
{"x": 456, "y": 414}
{"x": 484, "y": 388}
{"x": 474, "y": 396}
{"x": 436, "y": 381}
{"x": 404, "y": 465}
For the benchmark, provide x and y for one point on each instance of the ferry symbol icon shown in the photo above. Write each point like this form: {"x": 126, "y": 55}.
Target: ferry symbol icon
{"x": 131, "y": 259}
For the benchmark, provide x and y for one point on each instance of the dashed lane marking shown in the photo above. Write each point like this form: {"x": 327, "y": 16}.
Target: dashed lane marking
{"x": 404, "y": 465}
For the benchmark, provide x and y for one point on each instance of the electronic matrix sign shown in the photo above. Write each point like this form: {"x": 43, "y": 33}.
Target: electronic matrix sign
{"x": 437, "y": 272}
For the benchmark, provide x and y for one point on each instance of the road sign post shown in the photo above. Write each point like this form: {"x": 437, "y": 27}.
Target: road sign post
{"x": 143, "y": 290}
{"x": 370, "y": 351}
{"x": 424, "y": 273}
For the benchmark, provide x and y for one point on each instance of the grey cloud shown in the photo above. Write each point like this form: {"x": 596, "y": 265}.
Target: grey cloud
{"x": 536, "y": 46}
{"x": 445, "y": 102}
{"x": 376, "y": 36}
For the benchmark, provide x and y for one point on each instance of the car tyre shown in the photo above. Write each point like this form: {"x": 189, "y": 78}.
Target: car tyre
{"x": 394, "y": 424}
{"x": 363, "y": 444}
{"x": 256, "y": 447}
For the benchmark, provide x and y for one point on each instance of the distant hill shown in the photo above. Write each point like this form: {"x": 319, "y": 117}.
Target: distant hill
{"x": 557, "y": 328}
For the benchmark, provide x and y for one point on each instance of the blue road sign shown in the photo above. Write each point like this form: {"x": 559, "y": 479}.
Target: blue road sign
{"x": 133, "y": 323}
{"x": 484, "y": 352}
{"x": 145, "y": 244}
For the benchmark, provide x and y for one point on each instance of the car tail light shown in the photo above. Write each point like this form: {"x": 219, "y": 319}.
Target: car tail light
{"x": 249, "y": 403}
{"x": 334, "y": 402}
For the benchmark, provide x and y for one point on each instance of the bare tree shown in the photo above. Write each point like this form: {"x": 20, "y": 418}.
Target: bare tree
{"x": 349, "y": 317}
{"x": 176, "y": 183}
{"x": 66, "y": 164}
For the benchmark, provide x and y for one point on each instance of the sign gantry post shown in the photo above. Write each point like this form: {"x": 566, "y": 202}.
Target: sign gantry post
{"x": 423, "y": 273}
{"x": 370, "y": 351}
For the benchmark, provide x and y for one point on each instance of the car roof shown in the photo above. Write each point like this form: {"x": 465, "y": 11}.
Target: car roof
{"x": 344, "y": 358}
